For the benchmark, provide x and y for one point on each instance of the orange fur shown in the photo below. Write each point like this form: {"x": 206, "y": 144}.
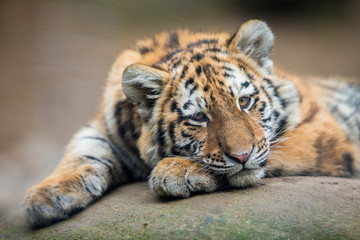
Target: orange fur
{"x": 171, "y": 111}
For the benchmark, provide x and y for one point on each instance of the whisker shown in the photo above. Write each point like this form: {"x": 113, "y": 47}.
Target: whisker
{"x": 279, "y": 132}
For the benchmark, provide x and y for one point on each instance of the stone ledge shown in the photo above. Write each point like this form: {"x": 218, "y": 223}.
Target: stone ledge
{"x": 280, "y": 208}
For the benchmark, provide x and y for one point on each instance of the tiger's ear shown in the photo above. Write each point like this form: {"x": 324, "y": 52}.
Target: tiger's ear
{"x": 142, "y": 84}
{"x": 254, "y": 39}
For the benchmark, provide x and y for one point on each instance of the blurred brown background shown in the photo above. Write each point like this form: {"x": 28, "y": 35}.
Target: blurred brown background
{"x": 55, "y": 55}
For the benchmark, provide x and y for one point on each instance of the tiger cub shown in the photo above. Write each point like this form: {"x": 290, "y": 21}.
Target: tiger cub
{"x": 197, "y": 112}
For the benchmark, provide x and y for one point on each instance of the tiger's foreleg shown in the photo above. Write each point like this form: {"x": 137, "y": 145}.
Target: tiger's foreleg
{"x": 177, "y": 177}
{"x": 89, "y": 167}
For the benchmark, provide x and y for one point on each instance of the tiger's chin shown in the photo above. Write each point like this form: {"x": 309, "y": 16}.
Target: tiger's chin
{"x": 246, "y": 177}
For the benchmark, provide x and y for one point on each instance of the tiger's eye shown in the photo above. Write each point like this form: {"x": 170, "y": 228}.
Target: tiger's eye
{"x": 244, "y": 102}
{"x": 200, "y": 117}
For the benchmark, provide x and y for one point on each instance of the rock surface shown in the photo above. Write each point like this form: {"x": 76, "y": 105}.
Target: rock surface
{"x": 280, "y": 208}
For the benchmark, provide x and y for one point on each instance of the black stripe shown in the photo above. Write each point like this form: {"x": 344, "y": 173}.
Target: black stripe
{"x": 180, "y": 119}
{"x": 275, "y": 173}
{"x": 187, "y": 104}
{"x": 262, "y": 109}
{"x": 198, "y": 70}
{"x": 187, "y": 181}
{"x": 144, "y": 50}
{"x": 227, "y": 75}
{"x": 169, "y": 56}
{"x": 173, "y": 40}
{"x": 348, "y": 162}
{"x": 184, "y": 71}
{"x": 175, "y": 151}
{"x": 177, "y": 63}
{"x": 185, "y": 135}
{"x": 193, "y": 89}
{"x": 245, "y": 84}
{"x": 104, "y": 141}
{"x": 256, "y": 92}
{"x": 172, "y": 132}
{"x": 206, "y": 88}
{"x": 266, "y": 94}
{"x": 263, "y": 163}
{"x": 215, "y": 58}
{"x": 200, "y": 42}
{"x": 314, "y": 109}
{"x": 196, "y": 57}
{"x": 262, "y": 154}
{"x": 187, "y": 147}
{"x": 250, "y": 77}
{"x": 113, "y": 150}
{"x": 106, "y": 163}
{"x": 138, "y": 170}
{"x": 87, "y": 188}
{"x": 118, "y": 108}
{"x": 189, "y": 82}
{"x": 228, "y": 69}
{"x": 276, "y": 114}
{"x": 276, "y": 93}
{"x": 160, "y": 133}
{"x": 214, "y": 49}
{"x": 194, "y": 148}
{"x": 255, "y": 103}
{"x": 231, "y": 92}
{"x": 280, "y": 130}
{"x": 266, "y": 119}
{"x": 160, "y": 137}
{"x": 173, "y": 106}
{"x": 228, "y": 42}
{"x": 157, "y": 67}
{"x": 263, "y": 125}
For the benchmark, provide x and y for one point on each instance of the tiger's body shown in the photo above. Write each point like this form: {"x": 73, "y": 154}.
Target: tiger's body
{"x": 199, "y": 112}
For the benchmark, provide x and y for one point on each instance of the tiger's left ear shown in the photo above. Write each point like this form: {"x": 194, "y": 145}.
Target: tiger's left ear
{"x": 254, "y": 39}
{"x": 143, "y": 84}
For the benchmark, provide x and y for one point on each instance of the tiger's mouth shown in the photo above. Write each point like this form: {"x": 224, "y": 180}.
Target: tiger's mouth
{"x": 233, "y": 170}
{"x": 219, "y": 169}
{"x": 233, "y": 166}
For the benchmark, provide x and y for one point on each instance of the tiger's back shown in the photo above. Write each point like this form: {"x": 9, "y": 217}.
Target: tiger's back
{"x": 324, "y": 142}
{"x": 342, "y": 99}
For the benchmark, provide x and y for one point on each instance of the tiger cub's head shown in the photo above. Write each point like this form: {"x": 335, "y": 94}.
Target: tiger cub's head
{"x": 215, "y": 102}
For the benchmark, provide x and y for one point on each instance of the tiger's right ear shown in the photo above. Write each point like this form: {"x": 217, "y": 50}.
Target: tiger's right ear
{"x": 254, "y": 39}
{"x": 142, "y": 84}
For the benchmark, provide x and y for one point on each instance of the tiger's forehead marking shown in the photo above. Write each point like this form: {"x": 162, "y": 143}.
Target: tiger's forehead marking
{"x": 203, "y": 84}
{"x": 240, "y": 82}
{"x": 206, "y": 74}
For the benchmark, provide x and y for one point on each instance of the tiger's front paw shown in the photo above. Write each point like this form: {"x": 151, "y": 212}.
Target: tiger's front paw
{"x": 176, "y": 177}
{"x": 54, "y": 200}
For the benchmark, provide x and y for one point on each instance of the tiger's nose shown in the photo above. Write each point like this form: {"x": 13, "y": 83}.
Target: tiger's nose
{"x": 242, "y": 157}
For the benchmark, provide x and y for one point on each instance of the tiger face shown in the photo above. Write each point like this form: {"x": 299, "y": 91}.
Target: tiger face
{"x": 213, "y": 117}
{"x": 215, "y": 103}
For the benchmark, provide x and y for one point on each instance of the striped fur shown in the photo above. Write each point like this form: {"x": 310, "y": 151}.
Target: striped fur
{"x": 172, "y": 112}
